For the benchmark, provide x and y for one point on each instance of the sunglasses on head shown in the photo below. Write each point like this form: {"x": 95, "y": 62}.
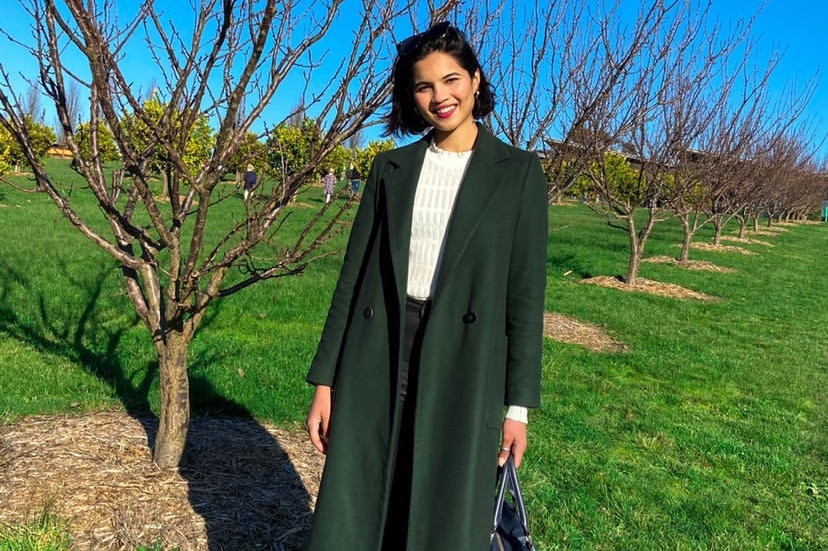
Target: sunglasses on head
{"x": 410, "y": 44}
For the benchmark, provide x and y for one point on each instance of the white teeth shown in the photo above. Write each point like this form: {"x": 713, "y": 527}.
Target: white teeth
{"x": 443, "y": 110}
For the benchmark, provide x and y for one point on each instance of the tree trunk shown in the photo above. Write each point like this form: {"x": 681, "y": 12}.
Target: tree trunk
{"x": 638, "y": 242}
{"x": 717, "y": 233}
{"x": 633, "y": 266}
{"x": 634, "y": 263}
{"x": 687, "y": 239}
{"x": 555, "y": 196}
{"x": 175, "y": 401}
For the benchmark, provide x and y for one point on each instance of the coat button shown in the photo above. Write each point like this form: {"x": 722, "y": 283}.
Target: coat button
{"x": 469, "y": 318}
{"x": 368, "y": 313}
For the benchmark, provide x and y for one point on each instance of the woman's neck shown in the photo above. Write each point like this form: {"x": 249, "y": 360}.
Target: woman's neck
{"x": 458, "y": 140}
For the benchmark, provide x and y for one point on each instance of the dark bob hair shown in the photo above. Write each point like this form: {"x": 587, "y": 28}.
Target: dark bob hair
{"x": 404, "y": 118}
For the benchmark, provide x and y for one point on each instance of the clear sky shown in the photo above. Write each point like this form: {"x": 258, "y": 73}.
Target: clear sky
{"x": 796, "y": 28}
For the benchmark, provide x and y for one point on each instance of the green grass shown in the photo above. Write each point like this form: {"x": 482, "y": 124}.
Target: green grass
{"x": 709, "y": 432}
{"x": 44, "y": 533}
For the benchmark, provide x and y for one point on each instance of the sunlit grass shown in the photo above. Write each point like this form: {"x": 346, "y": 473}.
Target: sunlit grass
{"x": 44, "y": 533}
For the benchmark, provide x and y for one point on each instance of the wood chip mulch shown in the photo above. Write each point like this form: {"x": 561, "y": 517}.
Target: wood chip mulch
{"x": 571, "y": 331}
{"x": 722, "y": 248}
{"x": 701, "y": 265}
{"x": 772, "y": 231}
{"x": 247, "y": 486}
{"x": 652, "y": 287}
{"x": 746, "y": 240}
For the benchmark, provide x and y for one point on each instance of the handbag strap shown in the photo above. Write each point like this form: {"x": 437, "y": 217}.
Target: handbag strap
{"x": 503, "y": 484}
{"x": 509, "y": 482}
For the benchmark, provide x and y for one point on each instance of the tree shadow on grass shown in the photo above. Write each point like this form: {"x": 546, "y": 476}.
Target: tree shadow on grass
{"x": 240, "y": 479}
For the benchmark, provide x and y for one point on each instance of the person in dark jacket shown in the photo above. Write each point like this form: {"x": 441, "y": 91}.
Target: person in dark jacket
{"x": 431, "y": 352}
{"x": 356, "y": 179}
{"x": 250, "y": 179}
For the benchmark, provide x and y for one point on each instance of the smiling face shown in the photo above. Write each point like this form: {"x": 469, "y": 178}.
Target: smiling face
{"x": 444, "y": 93}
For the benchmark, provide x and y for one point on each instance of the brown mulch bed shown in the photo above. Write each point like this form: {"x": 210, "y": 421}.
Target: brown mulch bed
{"x": 246, "y": 485}
{"x": 571, "y": 331}
{"x": 722, "y": 248}
{"x": 701, "y": 265}
{"x": 798, "y": 223}
{"x": 652, "y": 287}
{"x": 772, "y": 231}
{"x": 746, "y": 240}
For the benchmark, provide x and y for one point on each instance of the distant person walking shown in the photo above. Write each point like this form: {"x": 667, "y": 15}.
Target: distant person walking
{"x": 330, "y": 181}
{"x": 356, "y": 179}
{"x": 250, "y": 179}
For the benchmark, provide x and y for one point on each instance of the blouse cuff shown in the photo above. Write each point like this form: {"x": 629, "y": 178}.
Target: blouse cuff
{"x": 518, "y": 413}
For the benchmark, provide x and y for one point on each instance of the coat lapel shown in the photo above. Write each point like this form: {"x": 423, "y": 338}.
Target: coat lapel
{"x": 399, "y": 187}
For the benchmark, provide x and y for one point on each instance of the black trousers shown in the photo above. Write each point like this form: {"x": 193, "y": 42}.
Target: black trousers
{"x": 396, "y": 524}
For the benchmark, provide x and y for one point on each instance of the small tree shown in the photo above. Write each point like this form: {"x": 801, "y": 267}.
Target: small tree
{"x": 6, "y": 142}
{"x": 291, "y": 146}
{"x": 251, "y": 151}
{"x": 104, "y": 144}
{"x": 41, "y": 138}
{"x": 365, "y": 156}
{"x": 225, "y": 68}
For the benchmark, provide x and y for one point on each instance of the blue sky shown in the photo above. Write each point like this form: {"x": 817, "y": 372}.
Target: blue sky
{"x": 797, "y": 29}
{"x": 794, "y": 27}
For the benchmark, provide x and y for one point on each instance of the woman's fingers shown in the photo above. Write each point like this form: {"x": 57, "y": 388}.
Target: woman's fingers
{"x": 514, "y": 441}
{"x": 318, "y": 434}
{"x": 504, "y": 454}
{"x": 319, "y": 416}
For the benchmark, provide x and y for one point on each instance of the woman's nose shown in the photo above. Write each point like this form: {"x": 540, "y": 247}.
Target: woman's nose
{"x": 439, "y": 94}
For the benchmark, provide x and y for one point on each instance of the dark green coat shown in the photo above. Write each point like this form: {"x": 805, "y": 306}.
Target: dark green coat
{"x": 481, "y": 350}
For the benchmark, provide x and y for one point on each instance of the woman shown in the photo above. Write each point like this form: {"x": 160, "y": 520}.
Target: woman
{"x": 436, "y": 321}
{"x": 330, "y": 181}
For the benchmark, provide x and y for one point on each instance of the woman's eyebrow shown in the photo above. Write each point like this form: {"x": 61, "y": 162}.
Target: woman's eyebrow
{"x": 444, "y": 77}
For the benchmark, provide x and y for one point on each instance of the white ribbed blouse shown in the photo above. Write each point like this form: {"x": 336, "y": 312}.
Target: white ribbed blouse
{"x": 434, "y": 200}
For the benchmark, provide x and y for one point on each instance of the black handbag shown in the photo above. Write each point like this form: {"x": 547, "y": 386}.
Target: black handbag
{"x": 510, "y": 530}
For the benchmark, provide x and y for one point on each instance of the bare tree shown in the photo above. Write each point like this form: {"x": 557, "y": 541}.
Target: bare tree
{"x": 559, "y": 67}
{"x": 73, "y": 110}
{"x": 652, "y": 118}
{"x": 33, "y": 106}
{"x": 786, "y": 175}
{"x": 229, "y": 67}
{"x": 717, "y": 114}
{"x": 687, "y": 79}
{"x": 747, "y": 148}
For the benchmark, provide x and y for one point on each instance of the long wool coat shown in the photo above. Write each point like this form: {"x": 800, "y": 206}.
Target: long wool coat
{"x": 481, "y": 350}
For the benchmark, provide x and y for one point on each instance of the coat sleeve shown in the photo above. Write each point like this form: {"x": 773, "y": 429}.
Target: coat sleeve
{"x": 323, "y": 366}
{"x": 526, "y": 291}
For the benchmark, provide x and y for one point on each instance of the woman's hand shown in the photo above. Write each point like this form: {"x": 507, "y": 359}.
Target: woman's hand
{"x": 514, "y": 440}
{"x": 318, "y": 422}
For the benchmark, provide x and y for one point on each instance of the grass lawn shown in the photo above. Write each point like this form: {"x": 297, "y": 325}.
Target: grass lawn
{"x": 708, "y": 432}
